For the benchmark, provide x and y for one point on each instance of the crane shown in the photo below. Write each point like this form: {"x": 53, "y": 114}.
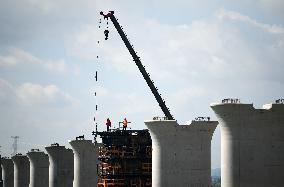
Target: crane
{"x": 139, "y": 64}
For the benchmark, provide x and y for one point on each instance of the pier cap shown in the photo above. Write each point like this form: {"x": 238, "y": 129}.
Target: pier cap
{"x": 236, "y": 102}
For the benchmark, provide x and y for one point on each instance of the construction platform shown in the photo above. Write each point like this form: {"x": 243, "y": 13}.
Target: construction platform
{"x": 125, "y": 158}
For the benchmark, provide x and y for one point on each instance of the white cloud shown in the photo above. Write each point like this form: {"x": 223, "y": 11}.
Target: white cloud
{"x": 30, "y": 94}
{"x": 35, "y": 94}
{"x": 85, "y": 43}
{"x": 275, "y": 7}
{"x": 7, "y": 61}
{"x": 274, "y": 29}
{"x": 17, "y": 57}
{"x": 100, "y": 91}
{"x": 51, "y": 6}
{"x": 58, "y": 66}
{"x": 125, "y": 102}
{"x": 203, "y": 48}
{"x": 188, "y": 94}
{"x": 132, "y": 103}
{"x": 45, "y": 5}
{"x": 6, "y": 92}
{"x": 112, "y": 52}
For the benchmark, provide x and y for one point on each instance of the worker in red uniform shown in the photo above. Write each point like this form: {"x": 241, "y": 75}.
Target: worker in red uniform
{"x": 108, "y": 124}
{"x": 124, "y": 122}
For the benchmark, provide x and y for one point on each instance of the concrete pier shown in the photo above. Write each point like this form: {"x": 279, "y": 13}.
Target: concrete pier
{"x": 21, "y": 170}
{"x": 252, "y": 144}
{"x": 7, "y": 172}
{"x": 1, "y": 180}
{"x": 38, "y": 168}
{"x": 85, "y": 163}
{"x": 181, "y": 153}
{"x": 61, "y": 166}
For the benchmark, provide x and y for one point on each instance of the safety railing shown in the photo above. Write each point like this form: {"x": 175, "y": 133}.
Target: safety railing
{"x": 279, "y": 101}
{"x": 231, "y": 101}
{"x": 110, "y": 183}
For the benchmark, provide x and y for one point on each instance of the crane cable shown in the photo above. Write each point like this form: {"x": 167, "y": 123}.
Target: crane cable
{"x": 97, "y": 113}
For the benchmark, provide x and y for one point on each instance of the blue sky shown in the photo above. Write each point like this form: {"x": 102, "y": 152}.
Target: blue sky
{"x": 196, "y": 52}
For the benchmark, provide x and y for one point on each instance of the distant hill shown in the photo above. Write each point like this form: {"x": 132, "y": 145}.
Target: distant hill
{"x": 216, "y": 172}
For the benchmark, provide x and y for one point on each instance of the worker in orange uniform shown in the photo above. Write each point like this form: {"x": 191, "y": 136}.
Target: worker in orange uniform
{"x": 108, "y": 124}
{"x": 124, "y": 122}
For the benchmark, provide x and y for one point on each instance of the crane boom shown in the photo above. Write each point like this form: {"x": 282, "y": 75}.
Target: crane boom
{"x": 137, "y": 61}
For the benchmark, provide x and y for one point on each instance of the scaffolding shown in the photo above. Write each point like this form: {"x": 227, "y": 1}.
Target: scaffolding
{"x": 125, "y": 159}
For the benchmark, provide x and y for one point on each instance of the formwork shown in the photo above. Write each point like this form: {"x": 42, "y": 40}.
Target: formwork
{"x": 125, "y": 159}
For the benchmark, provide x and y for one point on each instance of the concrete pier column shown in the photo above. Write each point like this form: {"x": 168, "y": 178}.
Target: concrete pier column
{"x": 61, "y": 166}
{"x": 7, "y": 172}
{"x": 21, "y": 170}
{"x": 1, "y": 180}
{"x": 181, "y": 153}
{"x": 38, "y": 168}
{"x": 85, "y": 163}
{"x": 252, "y": 144}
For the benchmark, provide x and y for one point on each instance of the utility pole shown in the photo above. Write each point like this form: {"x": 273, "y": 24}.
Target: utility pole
{"x": 15, "y": 144}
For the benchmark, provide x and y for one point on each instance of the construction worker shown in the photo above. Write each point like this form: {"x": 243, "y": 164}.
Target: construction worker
{"x": 108, "y": 124}
{"x": 124, "y": 122}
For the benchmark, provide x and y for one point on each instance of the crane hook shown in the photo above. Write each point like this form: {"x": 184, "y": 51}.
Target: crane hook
{"x": 106, "y": 34}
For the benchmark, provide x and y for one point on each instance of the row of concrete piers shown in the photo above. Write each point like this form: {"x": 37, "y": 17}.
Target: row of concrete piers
{"x": 60, "y": 167}
{"x": 252, "y": 152}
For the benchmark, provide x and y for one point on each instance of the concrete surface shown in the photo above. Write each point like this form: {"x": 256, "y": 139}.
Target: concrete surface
{"x": 21, "y": 170}
{"x": 1, "y": 180}
{"x": 61, "y": 166}
{"x": 181, "y": 154}
{"x": 38, "y": 168}
{"x": 7, "y": 172}
{"x": 85, "y": 163}
{"x": 252, "y": 144}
